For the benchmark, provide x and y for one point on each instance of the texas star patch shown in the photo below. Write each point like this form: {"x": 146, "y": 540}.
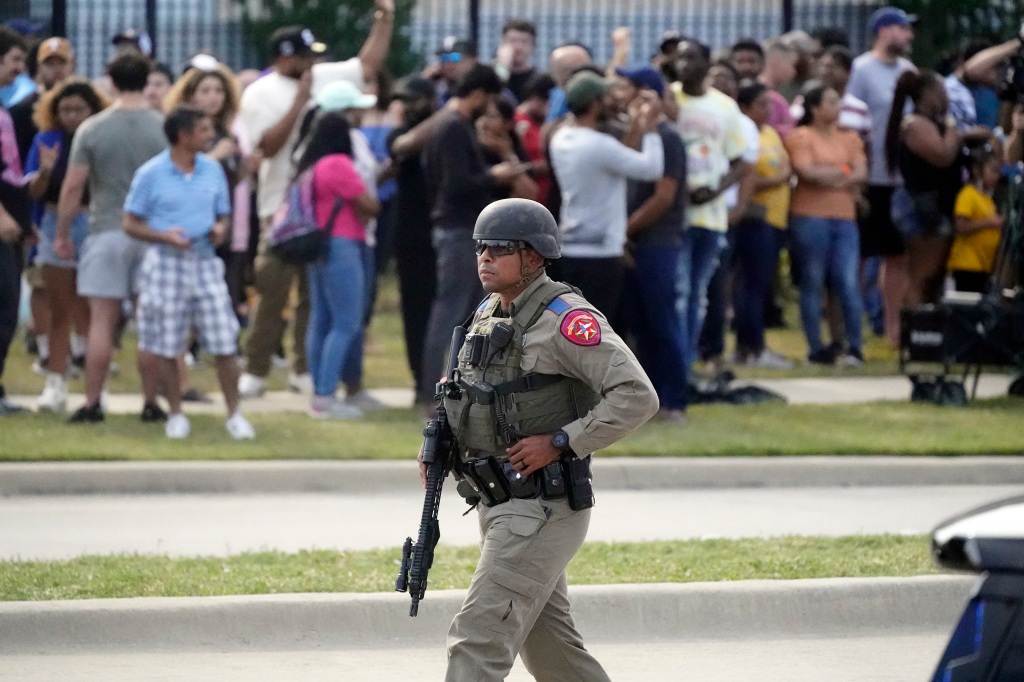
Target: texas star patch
{"x": 581, "y": 328}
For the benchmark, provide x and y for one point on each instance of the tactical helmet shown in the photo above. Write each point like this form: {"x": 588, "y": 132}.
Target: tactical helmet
{"x": 520, "y": 220}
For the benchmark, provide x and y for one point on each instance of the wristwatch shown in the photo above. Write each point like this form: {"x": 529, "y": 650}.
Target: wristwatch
{"x": 560, "y": 439}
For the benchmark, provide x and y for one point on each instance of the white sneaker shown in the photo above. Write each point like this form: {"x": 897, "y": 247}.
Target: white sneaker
{"x": 279, "y": 361}
{"x": 251, "y": 386}
{"x": 300, "y": 383}
{"x": 177, "y": 427}
{"x": 54, "y": 395}
{"x": 769, "y": 359}
{"x": 39, "y": 366}
{"x": 239, "y": 427}
{"x": 333, "y": 409}
{"x": 364, "y": 401}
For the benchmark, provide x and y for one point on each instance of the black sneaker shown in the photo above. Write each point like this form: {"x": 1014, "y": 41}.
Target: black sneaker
{"x": 151, "y": 412}
{"x": 822, "y": 357}
{"x": 87, "y": 414}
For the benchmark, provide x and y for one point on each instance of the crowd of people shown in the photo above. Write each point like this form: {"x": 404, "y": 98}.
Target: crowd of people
{"x": 677, "y": 183}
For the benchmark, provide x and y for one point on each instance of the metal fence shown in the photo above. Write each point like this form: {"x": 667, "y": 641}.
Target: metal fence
{"x": 718, "y": 23}
{"x": 185, "y": 26}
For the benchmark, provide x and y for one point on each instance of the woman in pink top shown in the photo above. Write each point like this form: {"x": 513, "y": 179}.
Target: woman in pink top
{"x": 336, "y": 283}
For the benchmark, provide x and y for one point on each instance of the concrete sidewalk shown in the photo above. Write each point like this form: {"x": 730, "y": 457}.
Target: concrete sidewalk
{"x": 821, "y": 391}
{"x": 223, "y": 525}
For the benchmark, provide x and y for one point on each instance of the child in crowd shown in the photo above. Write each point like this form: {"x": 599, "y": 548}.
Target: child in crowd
{"x": 978, "y": 225}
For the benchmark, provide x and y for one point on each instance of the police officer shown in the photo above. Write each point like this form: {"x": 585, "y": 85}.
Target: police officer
{"x": 545, "y": 383}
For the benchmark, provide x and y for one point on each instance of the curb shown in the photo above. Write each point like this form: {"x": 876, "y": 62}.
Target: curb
{"x": 611, "y": 473}
{"x": 733, "y": 610}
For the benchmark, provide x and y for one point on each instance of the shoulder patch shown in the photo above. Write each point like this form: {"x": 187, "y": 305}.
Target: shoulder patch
{"x": 483, "y": 304}
{"x": 581, "y": 328}
{"x": 558, "y": 306}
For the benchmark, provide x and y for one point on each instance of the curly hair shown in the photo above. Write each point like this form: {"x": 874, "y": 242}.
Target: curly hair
{"x": 185, "y": 89}
{"x": 45, "y": 113}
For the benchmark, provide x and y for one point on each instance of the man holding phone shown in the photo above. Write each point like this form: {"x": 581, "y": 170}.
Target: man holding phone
{"x": 272, "y": 109}
{"x": 178, "y": 203}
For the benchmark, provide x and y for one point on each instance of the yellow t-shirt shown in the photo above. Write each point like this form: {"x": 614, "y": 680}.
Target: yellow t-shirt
{"x": 770, "y": 158}
{"x": 975, "y": 252}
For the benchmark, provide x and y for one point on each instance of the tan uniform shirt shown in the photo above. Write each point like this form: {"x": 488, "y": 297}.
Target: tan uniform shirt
{"x": 608, "y": 367}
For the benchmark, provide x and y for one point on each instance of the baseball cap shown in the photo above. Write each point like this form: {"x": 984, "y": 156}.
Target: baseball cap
{"x": 294, "y": 40}
{"x": 413, "y": 87}
{"x": 452, "y": 44}
{"x": 644, "y": 76}
{"x": 55, "y": 47}
{"x": 342, "y": 95}
{"x": 584, "y": 88}
{"x": 889, "y": 16}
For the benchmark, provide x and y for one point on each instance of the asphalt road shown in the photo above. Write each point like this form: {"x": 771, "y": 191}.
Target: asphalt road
{"x": 53, "y": 527}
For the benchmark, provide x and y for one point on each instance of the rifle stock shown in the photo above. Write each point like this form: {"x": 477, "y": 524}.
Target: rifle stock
{"x": 439, "y": 454}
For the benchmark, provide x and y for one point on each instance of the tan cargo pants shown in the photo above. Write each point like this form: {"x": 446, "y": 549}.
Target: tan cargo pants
{"x": 274, "y": 279}
{"x": 518, "y": 602}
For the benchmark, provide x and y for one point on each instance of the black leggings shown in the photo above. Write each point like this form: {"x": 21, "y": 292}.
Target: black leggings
{"x": 10, "y": 299}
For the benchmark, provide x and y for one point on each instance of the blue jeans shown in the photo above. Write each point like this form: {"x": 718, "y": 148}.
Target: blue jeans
{"x": 336, "y": 292}
{"x": 650, "y": 287}
{"x": 352, "y": 370}
{"x": 827, "y": 248}
{"x": 697, "y": 262}
{"x": 871, "y": 294}
{"x": 756, "y": 254}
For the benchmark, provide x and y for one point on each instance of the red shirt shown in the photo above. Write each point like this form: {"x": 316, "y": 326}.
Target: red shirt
{"x": 529, "y": 132}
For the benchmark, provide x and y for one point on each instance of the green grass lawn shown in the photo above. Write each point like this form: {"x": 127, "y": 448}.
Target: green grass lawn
{"x": 375, "y": 571}
{"x": 983, "y": 427}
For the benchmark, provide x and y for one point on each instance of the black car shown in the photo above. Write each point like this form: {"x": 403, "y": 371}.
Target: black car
{"x": 988, "y": 642}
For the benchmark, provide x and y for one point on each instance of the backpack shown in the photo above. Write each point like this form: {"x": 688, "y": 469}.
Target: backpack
{"x": 294, "y": 234}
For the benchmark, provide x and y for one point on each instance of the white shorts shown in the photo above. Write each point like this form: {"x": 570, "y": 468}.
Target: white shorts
{"x": 178, "y": 291}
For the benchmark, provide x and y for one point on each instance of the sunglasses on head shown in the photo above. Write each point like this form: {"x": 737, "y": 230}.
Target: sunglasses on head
{"x": 497, "y": 247}
{"x": 450, "y": 57}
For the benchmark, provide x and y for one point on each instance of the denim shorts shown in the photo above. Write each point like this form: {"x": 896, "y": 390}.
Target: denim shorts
{"x": 909, "y": 221}
{"x": 48, "y": 229}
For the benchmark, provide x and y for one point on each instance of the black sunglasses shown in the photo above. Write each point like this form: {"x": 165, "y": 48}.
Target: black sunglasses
{"x": 497, "y": 247}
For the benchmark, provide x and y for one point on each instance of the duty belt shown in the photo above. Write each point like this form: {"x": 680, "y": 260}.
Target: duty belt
{"x": 493, "y": 482}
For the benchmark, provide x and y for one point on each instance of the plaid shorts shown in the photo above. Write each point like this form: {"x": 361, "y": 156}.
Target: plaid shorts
{"x": 178, "y": 291}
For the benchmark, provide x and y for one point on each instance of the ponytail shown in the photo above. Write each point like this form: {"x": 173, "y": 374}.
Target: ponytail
{"x": 910, "y": 85}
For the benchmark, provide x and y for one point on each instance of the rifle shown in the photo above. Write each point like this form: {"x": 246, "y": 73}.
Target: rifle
{"x": 439, "y": 454}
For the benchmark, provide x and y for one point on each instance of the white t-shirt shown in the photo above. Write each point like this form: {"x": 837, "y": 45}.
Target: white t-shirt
{"x": 265, "y": 102}
{"x": 711, "y": 126}
{"x": 753, "y": 137}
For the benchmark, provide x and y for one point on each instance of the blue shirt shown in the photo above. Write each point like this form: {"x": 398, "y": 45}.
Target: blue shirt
{"x": 22, "y": 87}
{"x": 557, "y": 106}
{"x": 165, "y": 197}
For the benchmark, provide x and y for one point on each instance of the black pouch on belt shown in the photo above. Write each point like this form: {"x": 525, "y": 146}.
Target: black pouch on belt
{"x": 492, "y": 484}
{"x": 579, "y": 486}
{"x": 521, "y": 487}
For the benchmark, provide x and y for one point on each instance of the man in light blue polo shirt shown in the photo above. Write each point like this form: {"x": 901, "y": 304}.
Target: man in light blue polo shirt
{"x": 178, "y": 202}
